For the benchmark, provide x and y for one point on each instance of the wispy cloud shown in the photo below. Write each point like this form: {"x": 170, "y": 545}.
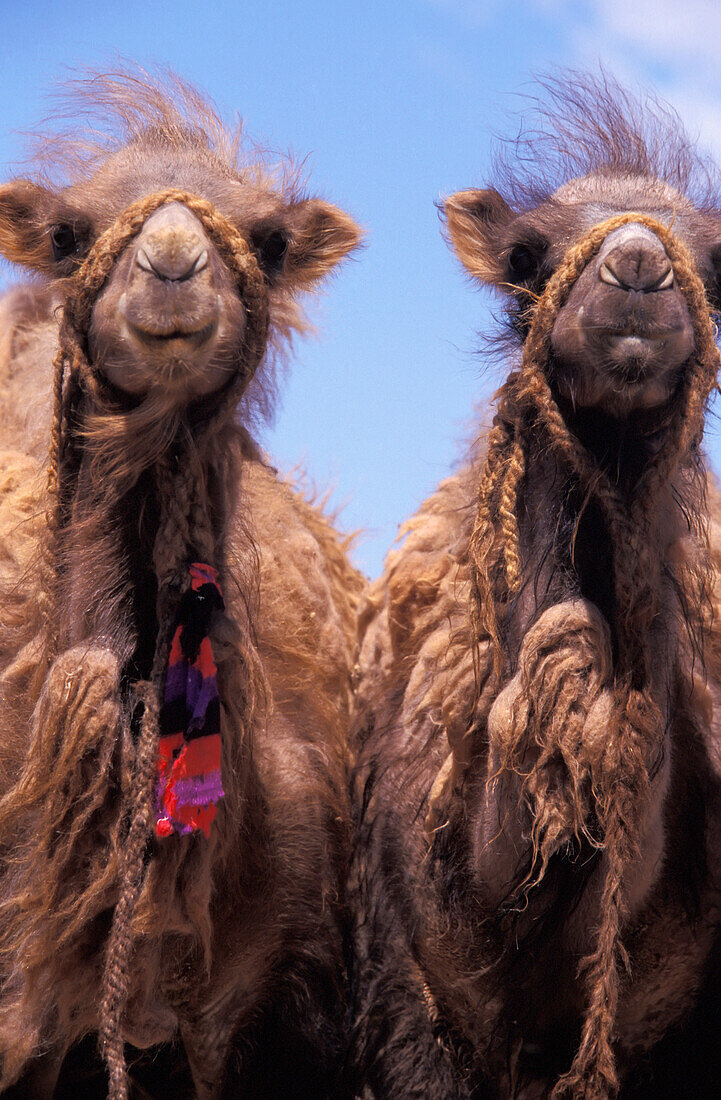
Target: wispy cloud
{"x": 669, "y": 45}
{"x": 672, "y": 47}
{"x": 684, "y": 35}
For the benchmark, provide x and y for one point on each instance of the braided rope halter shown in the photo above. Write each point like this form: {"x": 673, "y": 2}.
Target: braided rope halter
{"x": 526, "y": 408}
{"x": 185, "y": 531}
{"x": 525, "y": 404}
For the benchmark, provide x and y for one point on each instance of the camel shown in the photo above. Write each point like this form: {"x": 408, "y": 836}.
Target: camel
{"x": 535, "y": 889}
{"x": 177, "y": 620}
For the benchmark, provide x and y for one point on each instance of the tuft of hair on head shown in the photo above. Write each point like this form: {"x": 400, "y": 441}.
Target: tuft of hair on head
{"x": 96, "y": 113}
{"x": 579, "y": 123}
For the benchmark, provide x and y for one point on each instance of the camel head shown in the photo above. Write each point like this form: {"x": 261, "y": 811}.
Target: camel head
{"x": 621, "y": 339}
{"x": 623, "y": 336}
{"x": 170, "y": 319}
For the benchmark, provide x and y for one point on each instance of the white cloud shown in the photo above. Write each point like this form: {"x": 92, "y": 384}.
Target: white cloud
{"x": 668, "y": 46}
{"x": 671, "y": 46}
{"x": 682, "y": 34}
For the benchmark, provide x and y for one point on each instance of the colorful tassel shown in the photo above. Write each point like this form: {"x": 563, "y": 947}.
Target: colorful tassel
{"x": 188, "y": 780}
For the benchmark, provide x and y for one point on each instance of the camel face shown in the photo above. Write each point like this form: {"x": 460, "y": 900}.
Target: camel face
{"x": 170, "y": 319}
{"x": 622, "y": 338}
{"x": 625, "y": 332}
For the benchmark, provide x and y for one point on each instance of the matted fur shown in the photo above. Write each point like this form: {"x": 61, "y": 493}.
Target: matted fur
{"x": 231, "y": 935}
{"x": 559, "y": 806}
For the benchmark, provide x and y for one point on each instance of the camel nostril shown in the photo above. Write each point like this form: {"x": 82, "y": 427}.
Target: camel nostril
{"x": 642, "y": 277}
{"x": 607, "y": 276}
{"x": 636, "y": 262}
{"x": 666, "y": 280}
{"x": 172, "y": 265}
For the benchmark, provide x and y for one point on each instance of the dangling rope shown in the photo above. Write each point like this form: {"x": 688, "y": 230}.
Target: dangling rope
{"x": 83, "y": 414}
{"x": 526, "y": 406}
{"x": 525, "y": 403}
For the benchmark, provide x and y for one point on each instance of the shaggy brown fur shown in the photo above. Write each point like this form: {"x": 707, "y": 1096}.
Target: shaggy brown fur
{"x": 236, "y": 941}
{"x": 539, "y": 786}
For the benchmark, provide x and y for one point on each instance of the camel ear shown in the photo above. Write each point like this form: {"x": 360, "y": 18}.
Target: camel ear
{"x": 476, "y": 222}
{"x": 320, "y": 236}
{"x": 40, "y": 230}
{"x": 25, "y": 211}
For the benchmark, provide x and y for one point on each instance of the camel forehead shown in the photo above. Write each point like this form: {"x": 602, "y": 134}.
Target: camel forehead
{"x": 621, "y": 192}
{"x": 146, "y": 166}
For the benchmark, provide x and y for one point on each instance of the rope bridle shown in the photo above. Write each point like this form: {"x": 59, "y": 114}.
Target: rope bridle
{"x": 526, "y": 407}
{"x": 77, "y": 382}
{"x": 185, "y": 529}
{"x": 525, "y": 403}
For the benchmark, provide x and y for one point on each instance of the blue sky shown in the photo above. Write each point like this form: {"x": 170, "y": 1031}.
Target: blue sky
{"x": 394, "y": 104}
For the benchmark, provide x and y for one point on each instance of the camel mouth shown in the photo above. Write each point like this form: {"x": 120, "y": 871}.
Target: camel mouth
{"x": 190, "y": 357}
{"x": 636, "y": 384}
{"x": 641, "y": 336}
{"x": 193, "y": 338}
{"x": 632, "y": 357}
{"x": 631, "y": 372}
{"x": 642, "y": 365}
{"x": 636, "y": 356}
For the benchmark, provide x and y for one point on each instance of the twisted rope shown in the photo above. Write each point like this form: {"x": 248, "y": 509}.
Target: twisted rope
{"x": 525, "y": 403}
{"x": 185, "y": 527}
{"x": 525, "y": 407}
{"x": 120, "y": 946}
{"x": 77, "y": 383}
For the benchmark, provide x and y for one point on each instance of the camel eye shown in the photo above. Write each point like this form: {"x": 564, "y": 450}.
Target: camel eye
{"x": 523, "y": 262}
{"x": 64, "y": 242}
{"x": 271, "y": 251}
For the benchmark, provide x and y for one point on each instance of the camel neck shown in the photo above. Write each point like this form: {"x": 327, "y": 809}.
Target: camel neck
{"x": 565, "y": 542}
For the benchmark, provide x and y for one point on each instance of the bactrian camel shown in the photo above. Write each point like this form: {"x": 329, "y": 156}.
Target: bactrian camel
{"x": 177, "y": 620}
{"x": 536, "y": 883}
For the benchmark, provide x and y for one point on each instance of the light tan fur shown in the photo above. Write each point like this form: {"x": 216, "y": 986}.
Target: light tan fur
{"x": 225, "y": 928}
